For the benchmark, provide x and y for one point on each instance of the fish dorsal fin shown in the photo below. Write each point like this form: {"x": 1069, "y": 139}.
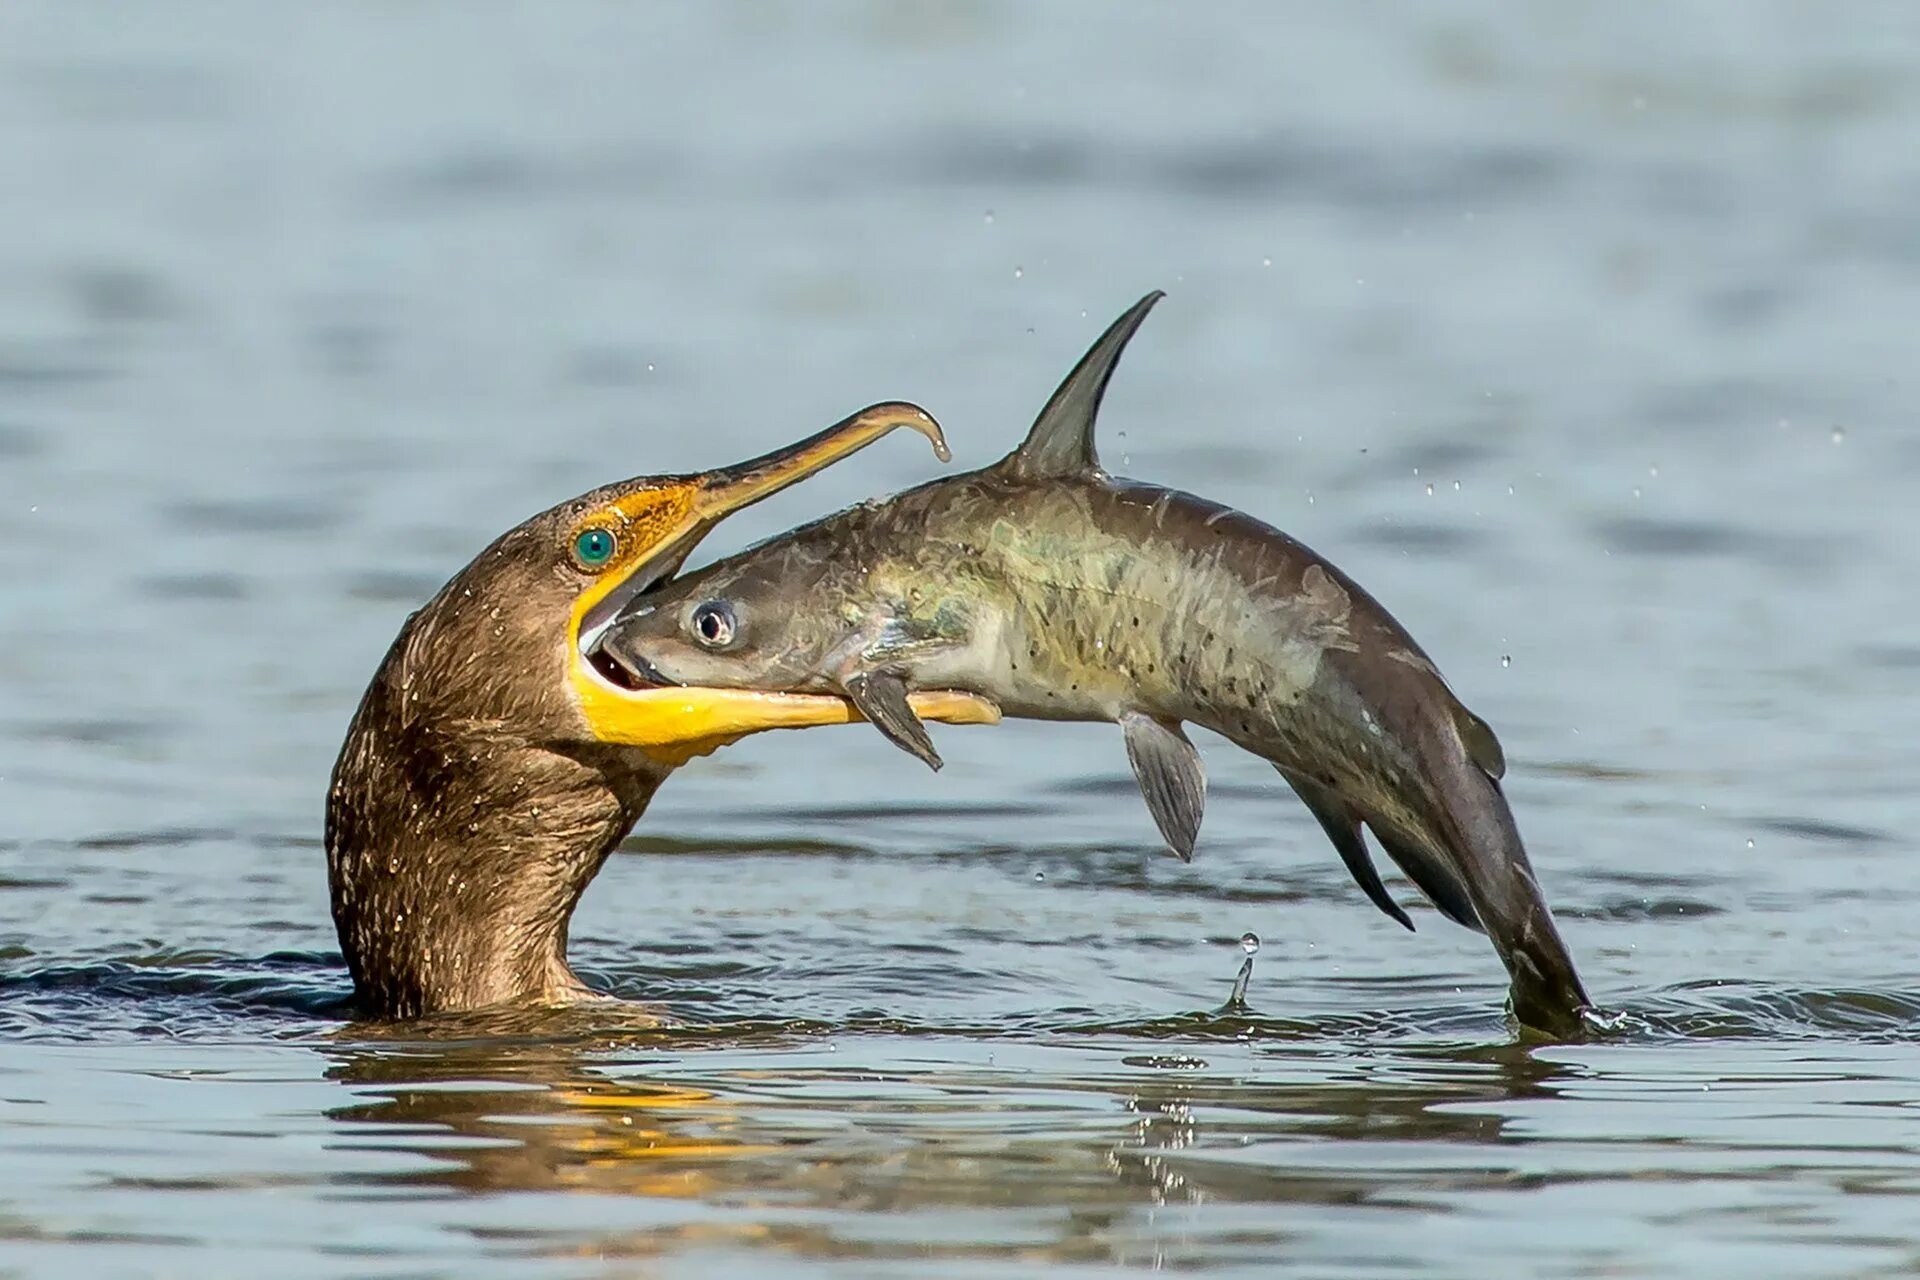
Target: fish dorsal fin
{"x": 1060, "y": 442}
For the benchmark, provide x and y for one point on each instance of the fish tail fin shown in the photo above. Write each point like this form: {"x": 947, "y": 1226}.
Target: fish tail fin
{"x": 1488, "y": 859}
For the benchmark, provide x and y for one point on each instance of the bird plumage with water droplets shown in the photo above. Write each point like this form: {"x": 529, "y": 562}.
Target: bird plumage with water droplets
{"x": 1062, "y": 593}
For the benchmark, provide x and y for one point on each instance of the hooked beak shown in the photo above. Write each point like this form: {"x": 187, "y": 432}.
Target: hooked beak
{"x": 675, "y": 724}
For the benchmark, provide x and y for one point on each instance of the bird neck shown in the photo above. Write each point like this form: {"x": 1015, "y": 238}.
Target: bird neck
{"x": 456, "y": 853}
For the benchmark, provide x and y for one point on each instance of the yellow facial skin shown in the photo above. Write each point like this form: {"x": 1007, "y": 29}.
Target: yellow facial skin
{"x": 654, "y": 527}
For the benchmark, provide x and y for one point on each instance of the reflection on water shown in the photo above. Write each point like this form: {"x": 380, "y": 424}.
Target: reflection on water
{"x": 531, "y": 1117}
{"x": 781, "y": 1142}
{"x": 764, "y": 1144}
{"x": 1580, "y": 336}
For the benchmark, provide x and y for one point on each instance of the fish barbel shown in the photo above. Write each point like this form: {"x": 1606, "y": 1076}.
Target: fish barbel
{"x": 1059, "y": 592}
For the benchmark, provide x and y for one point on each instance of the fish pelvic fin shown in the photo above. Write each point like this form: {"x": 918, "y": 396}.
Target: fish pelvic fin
{"x": 881, "y": 696}
{"x": 1342, "y": 825}
{"x": 1060, "y": 442}
{"x": 1167, "y": 767}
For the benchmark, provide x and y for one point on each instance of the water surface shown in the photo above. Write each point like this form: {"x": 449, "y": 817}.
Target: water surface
{"x": 1582, "y": 337}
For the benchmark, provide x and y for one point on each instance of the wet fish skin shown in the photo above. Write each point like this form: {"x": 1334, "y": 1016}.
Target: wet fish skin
{"x": 1064, "y": 594}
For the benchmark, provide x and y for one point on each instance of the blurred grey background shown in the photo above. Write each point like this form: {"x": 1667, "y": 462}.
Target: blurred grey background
{"x": 299, "y": 305}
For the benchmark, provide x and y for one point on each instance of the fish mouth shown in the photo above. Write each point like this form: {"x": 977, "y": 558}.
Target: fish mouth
{"x": 632, "y": 673}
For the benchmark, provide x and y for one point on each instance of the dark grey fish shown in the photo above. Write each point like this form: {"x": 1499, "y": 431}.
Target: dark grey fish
{"x": 1062, "y": 593}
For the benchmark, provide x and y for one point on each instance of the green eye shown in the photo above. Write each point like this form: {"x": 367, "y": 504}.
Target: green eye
{"x": 594, "y": 547}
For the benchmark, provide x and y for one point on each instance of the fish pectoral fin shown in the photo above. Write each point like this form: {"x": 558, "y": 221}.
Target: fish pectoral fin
{"x": 1342, "y": 826}
{"x": 881, "y": 697}
{"x": 1167, "y": 767}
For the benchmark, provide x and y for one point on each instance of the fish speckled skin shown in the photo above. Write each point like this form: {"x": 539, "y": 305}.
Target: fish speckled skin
{"x": 1061, "y": 593}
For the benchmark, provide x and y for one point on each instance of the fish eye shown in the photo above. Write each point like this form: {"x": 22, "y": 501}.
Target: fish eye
{"x": 713, "y": 623}
{"x": 593, "y": 548}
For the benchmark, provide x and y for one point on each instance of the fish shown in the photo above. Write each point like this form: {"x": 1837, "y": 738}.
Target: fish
{"x": 1059, "y": 592}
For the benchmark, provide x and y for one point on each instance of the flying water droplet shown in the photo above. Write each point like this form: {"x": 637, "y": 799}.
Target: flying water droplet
{"x": 989, "y": 217}
{"x": 1039, "y": 877}
{"x": 1749, "y": 844}
{"x": 1506, "y": 659}
{"x": 1250, "y": 943}
{"x": 1019, "y": 272}
{"x": 1429, "y": 491}
{"x": 1266, "y": 262}
{"x": 1839, "y": 435}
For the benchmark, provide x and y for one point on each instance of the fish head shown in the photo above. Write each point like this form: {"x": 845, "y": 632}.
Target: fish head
{"x": 800, "y": 614}
{"x": 761, "y": 621}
